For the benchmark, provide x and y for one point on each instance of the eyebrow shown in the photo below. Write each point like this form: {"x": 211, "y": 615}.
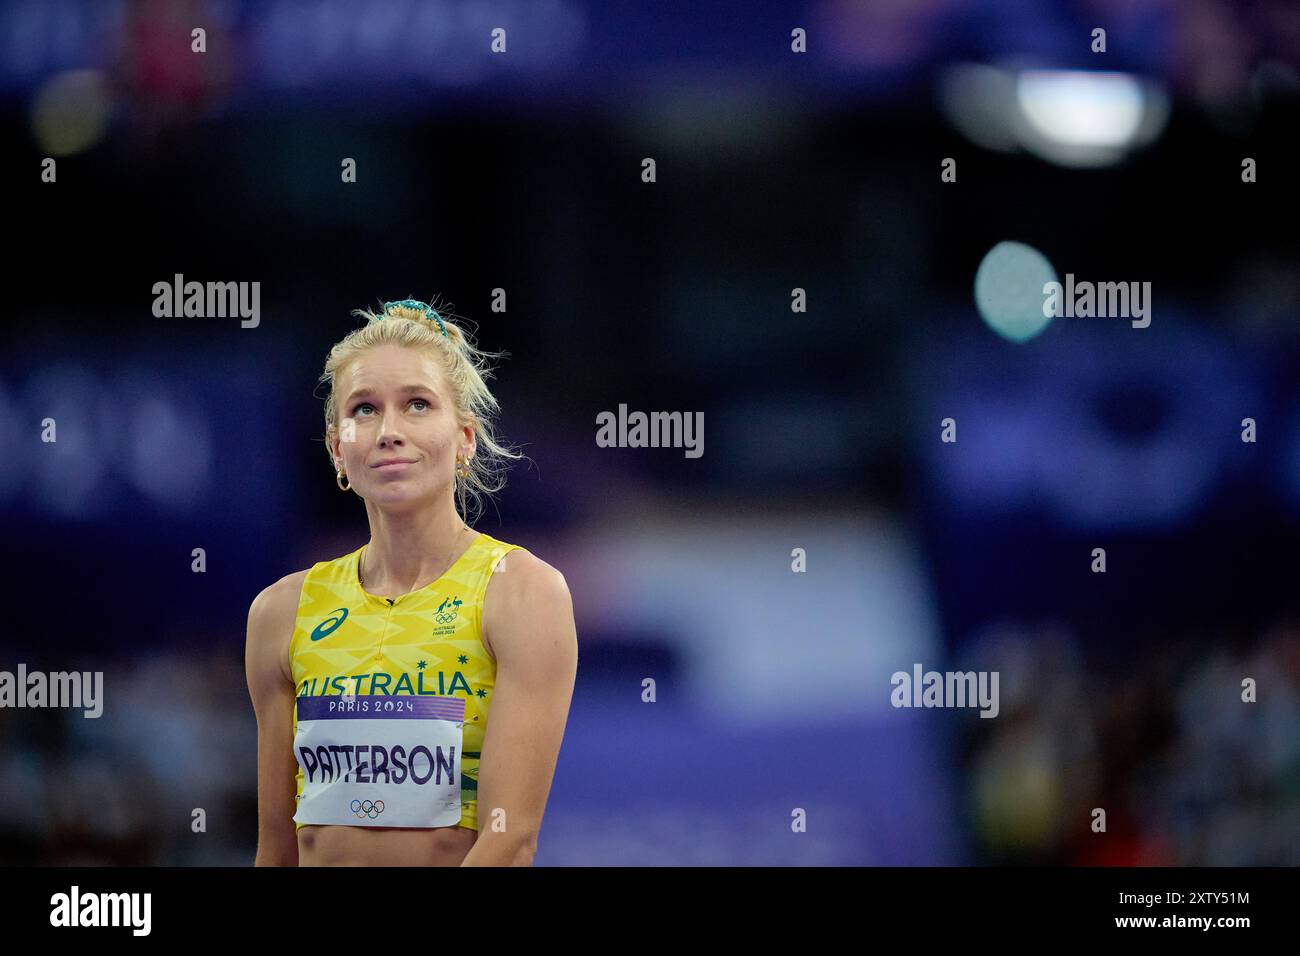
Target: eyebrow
{"x": 405, "y": 390}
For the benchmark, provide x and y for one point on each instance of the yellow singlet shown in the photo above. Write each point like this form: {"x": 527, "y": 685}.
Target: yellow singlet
{"x": 393, "y": 695}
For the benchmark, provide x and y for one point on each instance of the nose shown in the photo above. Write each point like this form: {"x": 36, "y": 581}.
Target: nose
{"x": 390, "y": 434}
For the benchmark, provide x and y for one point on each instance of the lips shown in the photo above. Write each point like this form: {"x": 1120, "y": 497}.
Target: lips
{"x": 393, "y": 463}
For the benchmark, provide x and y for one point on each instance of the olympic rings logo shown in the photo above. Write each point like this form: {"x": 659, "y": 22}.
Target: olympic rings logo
{"x": 365, "y": 808}
{"x": 445, "y": 616}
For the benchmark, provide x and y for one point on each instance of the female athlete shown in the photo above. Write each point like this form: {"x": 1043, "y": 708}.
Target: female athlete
{"x": 411, "y": 696}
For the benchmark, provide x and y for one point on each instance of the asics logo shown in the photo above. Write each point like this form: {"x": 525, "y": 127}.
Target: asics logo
{"x": 331, "y": 624}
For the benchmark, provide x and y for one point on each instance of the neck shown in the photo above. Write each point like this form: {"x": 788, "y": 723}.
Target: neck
{"x": 409, "y": 551}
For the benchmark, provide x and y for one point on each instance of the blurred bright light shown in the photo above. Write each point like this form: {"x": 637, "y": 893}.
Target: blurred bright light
{"x": 66, "y": 473}
{"x": 1009, "y": 290}
{"x": 70, "y": 112}
{"x": 977, "y": 99}
{"x": 1069, "y": 117}
{"x": 171, "y": 454}
{"x": 1081, "y": 109}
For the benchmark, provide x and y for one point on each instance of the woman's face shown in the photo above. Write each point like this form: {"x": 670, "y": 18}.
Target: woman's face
{"x": 395, "y": 406}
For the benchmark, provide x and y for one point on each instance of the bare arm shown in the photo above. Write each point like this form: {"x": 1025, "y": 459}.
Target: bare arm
{"x": 266, "y": 653}
{"x": 528, "y": 620}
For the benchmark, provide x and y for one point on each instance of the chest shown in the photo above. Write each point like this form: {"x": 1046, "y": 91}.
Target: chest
{"x": 434, "y": 649}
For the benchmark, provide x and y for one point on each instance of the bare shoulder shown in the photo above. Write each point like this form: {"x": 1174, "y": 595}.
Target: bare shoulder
{"x": 524, "y": 590}
{"x": 522, "y": 576}
{"x": 270, "y": 622}
{"x": 280, "y": 598}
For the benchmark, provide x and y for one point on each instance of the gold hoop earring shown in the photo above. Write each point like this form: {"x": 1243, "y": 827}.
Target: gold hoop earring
{"x": 462, "y": 467}
{"x": 338, "y": 480}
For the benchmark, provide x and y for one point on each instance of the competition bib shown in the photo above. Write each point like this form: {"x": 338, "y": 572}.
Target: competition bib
{"x": 379, "y": 760}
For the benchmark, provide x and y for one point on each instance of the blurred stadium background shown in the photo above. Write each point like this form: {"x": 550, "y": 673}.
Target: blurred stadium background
{"x": 775, "y": 171}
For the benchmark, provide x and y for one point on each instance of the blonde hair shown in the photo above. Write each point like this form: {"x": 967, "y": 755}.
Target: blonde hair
{"x": 466, "y": 370}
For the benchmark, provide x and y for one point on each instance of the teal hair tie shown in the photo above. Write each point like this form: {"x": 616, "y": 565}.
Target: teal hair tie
{"x": 428, "y": 310}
